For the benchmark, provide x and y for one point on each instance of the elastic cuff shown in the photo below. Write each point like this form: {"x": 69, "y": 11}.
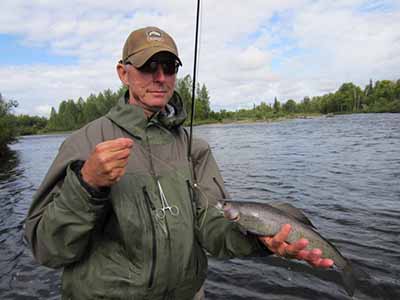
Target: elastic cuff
{"x": 264, "y": 249}
{"x": 97, "y": 195}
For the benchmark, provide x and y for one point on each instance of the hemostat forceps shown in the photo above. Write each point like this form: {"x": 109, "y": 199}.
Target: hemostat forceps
{"x": 161, "y": 212}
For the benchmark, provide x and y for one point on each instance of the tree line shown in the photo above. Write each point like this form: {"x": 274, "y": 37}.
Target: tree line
{"x": 72, "y": 114}
{"x": 12, "y": 126}
{"x": 381, "y": 96}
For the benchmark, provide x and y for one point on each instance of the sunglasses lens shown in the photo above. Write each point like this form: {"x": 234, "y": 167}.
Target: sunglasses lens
{"x": 168, "y": 67}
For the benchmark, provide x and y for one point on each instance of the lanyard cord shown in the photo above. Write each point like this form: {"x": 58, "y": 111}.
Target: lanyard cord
{"x": 194, "y": 79}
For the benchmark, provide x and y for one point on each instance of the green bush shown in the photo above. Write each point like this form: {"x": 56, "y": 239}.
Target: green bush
{"x": 8, "y": 129}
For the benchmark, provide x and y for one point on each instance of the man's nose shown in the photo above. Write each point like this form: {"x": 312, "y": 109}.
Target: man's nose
{"x": 159, "y": 75}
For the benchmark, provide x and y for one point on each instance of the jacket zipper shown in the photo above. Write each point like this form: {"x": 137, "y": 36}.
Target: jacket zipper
{"x": 220, "y": 188}
{"x": 150, "y": 207}
{"x": 153, "y": 173}
{"x": 155, "y": 177}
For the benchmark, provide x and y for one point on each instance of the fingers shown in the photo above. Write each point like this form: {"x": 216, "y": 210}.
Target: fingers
{"x": 293, "y": 250}
{"x": 277, "y": 244}
{"x": 325, "y": 263}
{"x": 109, "y": 157}
{"x": 113, "y": 166}
{"x": 107, "y": 163}
{"x": 114, "y": 145}
{"x": 314, "y": 258}
{"x": 302, "y": 255}
{"x": 281, "y": 236}
{"x": 116, "y": 174}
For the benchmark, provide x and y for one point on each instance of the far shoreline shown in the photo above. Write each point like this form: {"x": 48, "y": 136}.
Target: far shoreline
{"x": 228, "y": 121}
{"x": 263, "y": 120}
{"x": 209, "y": 122}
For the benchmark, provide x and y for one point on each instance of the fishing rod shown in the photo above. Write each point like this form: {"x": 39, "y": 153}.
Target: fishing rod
{"x": 194, "y": 79}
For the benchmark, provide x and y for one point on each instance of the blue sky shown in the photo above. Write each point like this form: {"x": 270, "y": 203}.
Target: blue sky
{"x": 56, "y": 50}
{"x": 14, "y": 52}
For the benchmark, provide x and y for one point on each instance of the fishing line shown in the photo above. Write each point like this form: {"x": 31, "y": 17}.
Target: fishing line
{"x": 199, "y": 187}
{"x": 201, "y": 18}
{"x": 195, "y": 63}
{"x": 171, "y": 167}
{"x": 194, "y": 79}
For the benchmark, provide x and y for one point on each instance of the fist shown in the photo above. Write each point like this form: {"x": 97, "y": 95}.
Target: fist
{"x": 107, "y": 163}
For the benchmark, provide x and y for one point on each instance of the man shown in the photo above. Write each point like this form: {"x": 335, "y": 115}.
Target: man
{"x": 122, "y": 208}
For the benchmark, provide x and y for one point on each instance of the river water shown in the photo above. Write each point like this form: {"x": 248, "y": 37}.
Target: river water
{"x": 344, "y": 172}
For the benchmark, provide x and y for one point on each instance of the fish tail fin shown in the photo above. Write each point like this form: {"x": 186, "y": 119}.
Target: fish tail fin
{"x": 349, "y": 280}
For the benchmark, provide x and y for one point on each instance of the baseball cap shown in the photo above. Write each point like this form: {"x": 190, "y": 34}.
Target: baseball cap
{"x": 143, "y": 43}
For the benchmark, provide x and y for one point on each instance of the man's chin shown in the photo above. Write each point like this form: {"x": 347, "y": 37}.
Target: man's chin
{"x": 159, "y": 102}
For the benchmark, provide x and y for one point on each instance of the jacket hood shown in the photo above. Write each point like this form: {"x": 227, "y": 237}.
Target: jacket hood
{"x": 132, "y": 117}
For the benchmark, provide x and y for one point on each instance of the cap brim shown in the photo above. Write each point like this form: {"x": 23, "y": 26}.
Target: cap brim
{"x": 139, "y": 59}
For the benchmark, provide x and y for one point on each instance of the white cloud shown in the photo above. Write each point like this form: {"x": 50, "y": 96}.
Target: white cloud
{"x": 252, "y": 59}
{"x": 40, "y": 85}
{"x": 249, "y": 52}
{"x": 43, "y": 110}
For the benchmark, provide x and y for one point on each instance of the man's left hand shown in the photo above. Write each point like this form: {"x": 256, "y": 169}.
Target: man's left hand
{"x": 296, "y": 250}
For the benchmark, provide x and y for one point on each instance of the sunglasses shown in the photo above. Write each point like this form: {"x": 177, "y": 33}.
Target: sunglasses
{"x": 169, "y": 67}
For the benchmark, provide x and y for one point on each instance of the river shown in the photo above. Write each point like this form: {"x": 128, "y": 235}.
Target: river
{"x": 344, "y": 172}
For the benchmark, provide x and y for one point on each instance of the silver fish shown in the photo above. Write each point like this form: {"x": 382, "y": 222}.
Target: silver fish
{"x": 266, "y": 220}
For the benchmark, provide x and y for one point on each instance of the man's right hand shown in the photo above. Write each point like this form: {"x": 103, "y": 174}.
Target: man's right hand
{"x": 107, "y": 163}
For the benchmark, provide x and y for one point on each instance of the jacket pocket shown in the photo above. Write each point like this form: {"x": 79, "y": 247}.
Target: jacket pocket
{"x": 151, "y": 208}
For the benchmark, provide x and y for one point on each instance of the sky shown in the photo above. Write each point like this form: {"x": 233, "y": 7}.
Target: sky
{"x": 250, "y": 51}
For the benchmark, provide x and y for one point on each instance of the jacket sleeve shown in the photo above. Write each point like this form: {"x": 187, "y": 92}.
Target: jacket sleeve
{"x": 219, "y": 236}
{"x": 63, "y": 215}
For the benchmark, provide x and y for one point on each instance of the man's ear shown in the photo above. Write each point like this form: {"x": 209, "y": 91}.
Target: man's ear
{"x": 122, "y": 73}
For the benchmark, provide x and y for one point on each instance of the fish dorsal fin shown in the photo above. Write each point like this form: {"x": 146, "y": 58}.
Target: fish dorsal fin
{"x": 293, "y": 211}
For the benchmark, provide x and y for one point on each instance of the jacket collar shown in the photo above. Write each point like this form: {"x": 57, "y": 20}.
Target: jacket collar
{"x": 132, "y": 118}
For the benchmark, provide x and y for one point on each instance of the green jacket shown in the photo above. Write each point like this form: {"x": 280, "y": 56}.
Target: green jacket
{"x": 116, "y": 247}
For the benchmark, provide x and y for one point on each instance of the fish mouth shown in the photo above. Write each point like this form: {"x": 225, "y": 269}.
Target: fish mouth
{"x": 231, "y": 213}
{"x": 236, "y": 219}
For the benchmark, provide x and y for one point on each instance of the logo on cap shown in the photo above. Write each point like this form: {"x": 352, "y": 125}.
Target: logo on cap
{"x": 154, "y": 36}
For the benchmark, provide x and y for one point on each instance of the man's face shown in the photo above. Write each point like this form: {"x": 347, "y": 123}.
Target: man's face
{"x": 150, "y": 88}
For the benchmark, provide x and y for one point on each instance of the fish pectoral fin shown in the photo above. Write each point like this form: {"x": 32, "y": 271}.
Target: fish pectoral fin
{"x": 293, "y": 211}
{"x": 242, "y": 229}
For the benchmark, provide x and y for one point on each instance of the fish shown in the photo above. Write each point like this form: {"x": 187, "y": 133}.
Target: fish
{"x": 265, "y": 219}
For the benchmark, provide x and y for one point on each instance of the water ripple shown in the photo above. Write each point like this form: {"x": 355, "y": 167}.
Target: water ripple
{"x": 342, "y": 171}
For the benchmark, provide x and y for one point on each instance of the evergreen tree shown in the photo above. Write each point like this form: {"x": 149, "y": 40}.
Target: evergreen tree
{"x": 204, "y": 100}
{"x": 277, "y": 105}
{"x": 184, "y": 89}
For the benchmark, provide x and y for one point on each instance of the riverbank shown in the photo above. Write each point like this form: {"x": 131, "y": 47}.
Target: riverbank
{"x": 276, "y": 118}
{"x": 249, "y": 120}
